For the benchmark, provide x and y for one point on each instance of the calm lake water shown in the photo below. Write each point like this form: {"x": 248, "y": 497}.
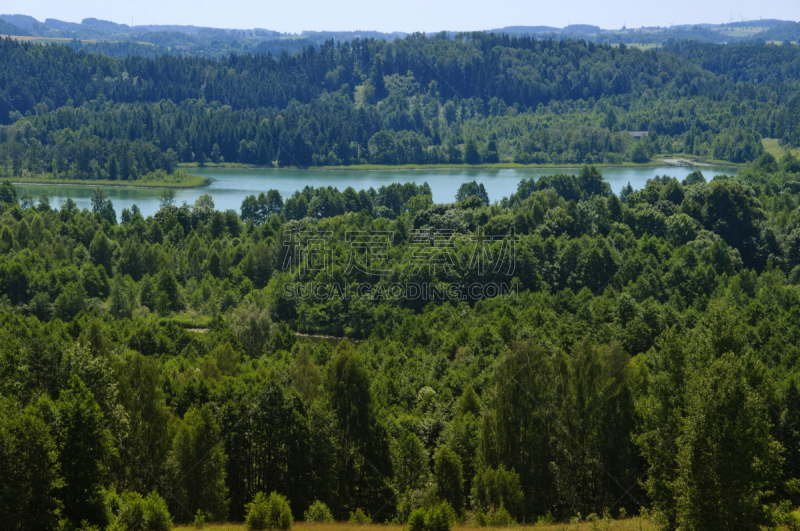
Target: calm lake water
{"x": 231, "y": 186}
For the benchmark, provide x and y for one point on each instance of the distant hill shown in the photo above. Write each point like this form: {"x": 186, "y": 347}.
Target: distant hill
{"x": 354, "y": 34}
{"x": 578, "y": 29}
{"x": 61, "y": 25}
{"x": 789, "y": 31}
{"x": 22, "y": 21}
{"x": 765, "y": 23}
{"x": 188, "y": 30}
{"x": 526, "y": 29}
{"x": 105, "y": 25}
{"x": 220, "y": 42}
{"x": 583, "y": 29}
{"x": 7, "y": 28}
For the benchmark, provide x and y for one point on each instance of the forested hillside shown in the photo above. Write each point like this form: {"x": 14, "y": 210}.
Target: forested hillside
{"x": 560, "y": 354}
{"x": 475, "y": 98}
{"x": 644, "y": 344}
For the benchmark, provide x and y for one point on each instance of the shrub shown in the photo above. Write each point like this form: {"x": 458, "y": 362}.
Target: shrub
{"x": 787, "y": 518}
{"x": 500, "y": 518}
{"x": 134, "y": 513}
{"x": 318, "y": 512}
{"x": 495, "y": 518}
{"x": 199, "y": 519}
{"x": 416, "y": 520}
{"x": 437, "y": 518}
{"x": 359, "y": 517}
{"x": 549, "y": 519}
{"x": 440, "y": 517}
{"x": 415, "y": 499}
{"x": 271, "y": 512}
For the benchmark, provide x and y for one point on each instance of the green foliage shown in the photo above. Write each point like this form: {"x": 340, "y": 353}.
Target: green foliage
{"x": 269, "y": 512}
{"x": 169, "y": 298}
{"x": 199, "y": 520}
{"x": 526, "y": 402}
{"x": 85, "y": 451}
{"x": 132, "y": 512}
{"x": 549, "y": 519}
{"x": 101, "y": 251}
{"x": 6, "y": 240}
{"x": 349, "y": 393}
{"x": 416, "y": 520}
{"x": 70, "y": 302}
{"x": 439, "y": 517}
{"x": 359, "y": 517}
{"x": 728, "y": 462}
{"x": 318, "y": 512}
{"x": 253, "y": 327}
{"x": 470, "y": 189}
{"x": 30, "y": 469}
{"x": 495, "y": 517}
{"x": 495, "y": 488}
{"x": 706, "y": 422}
{"x": 640, "y": 153}
{"x": 409, "y": 462}
{"x": 414, "y": 118}
{"x": 197, "y": 466}
{"x": 449, "y": 478}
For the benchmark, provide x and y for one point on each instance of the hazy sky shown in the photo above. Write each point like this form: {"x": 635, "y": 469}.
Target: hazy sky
{"x": 405, "y": 15}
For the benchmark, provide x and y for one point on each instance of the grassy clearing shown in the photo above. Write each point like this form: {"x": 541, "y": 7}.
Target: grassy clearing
{"x": 191, "y": 181}
{"x": 740, "y": 31}
{"x": 59, "y": 40}
{"x": 629, "y": 524}
{"x": 189, "y": 319}
{"x": 774, "y": 148}
{"x": 696, "y": 159}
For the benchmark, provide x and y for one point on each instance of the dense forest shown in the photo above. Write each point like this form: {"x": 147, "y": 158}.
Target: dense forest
{"x": 640, "y": 359}
{"x": 475, "y": 98}
{"x": 564, "y": 354}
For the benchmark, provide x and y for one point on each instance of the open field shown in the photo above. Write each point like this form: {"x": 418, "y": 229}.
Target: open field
{"x": 193, "y": 181}
{"x": 40, "y": 40}
{"x": 57, "y": 40}
{"x": 739, "y": 31}
{"x": 774, "y": 148}
{"x": 629, "y": 524}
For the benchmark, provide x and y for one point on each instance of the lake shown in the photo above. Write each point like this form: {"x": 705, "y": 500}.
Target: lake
{"x": 231, "y": 186}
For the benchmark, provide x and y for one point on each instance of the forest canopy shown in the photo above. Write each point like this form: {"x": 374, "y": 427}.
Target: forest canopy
{"x": 638, "y": 328}
{"x": 475, "y": 98}
{"x": 556, "y": 355}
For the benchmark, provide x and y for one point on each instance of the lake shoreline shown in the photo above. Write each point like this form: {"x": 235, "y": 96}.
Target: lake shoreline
{"x": 667, "y": 160}
{"x": 114, "y": 184}
{"x": 230, "y": 187}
